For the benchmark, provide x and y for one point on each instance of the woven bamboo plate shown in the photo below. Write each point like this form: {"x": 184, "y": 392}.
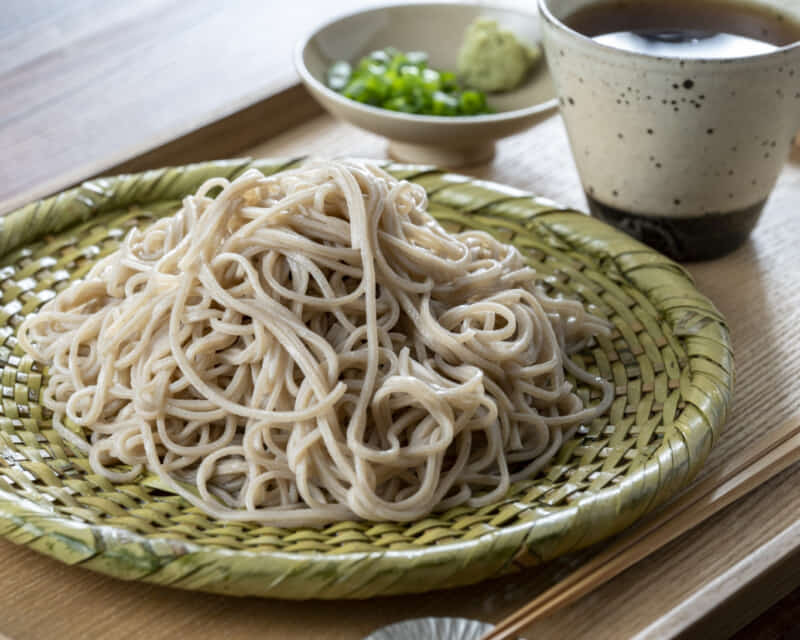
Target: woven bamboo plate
{"x": 669, "y": 357}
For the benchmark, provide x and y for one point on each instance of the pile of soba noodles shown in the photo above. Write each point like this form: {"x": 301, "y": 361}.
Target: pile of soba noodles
{"x": 311, "y": 347}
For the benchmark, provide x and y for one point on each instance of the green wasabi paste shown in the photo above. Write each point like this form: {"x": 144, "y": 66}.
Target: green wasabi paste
{"x": 493, "y": 59}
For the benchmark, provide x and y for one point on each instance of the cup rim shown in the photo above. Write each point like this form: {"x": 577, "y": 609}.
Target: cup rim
{"x": 547, "y": 16}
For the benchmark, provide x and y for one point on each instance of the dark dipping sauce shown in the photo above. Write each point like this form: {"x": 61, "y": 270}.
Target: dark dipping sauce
{"x": 687, "y": 29}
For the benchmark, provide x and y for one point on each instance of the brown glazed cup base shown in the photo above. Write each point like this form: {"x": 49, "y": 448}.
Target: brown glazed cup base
{"x": 704, "y": 237}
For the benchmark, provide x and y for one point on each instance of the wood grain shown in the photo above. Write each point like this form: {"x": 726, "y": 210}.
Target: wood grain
{"x": 742, "y": 474}
{"x": 88, "y": 84}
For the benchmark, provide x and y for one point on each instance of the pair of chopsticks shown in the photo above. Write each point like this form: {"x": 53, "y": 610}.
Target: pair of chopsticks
{"x": 743, "y": 473}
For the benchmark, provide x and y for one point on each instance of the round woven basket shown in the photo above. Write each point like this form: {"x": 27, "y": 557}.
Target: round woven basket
{"x": 669, "y": 358}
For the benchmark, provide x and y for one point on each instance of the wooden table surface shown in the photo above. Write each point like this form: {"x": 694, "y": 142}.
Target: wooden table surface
{"x": 86, "y": 85}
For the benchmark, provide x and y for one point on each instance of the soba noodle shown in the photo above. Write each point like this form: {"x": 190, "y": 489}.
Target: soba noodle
{"x": 311, "y": 347}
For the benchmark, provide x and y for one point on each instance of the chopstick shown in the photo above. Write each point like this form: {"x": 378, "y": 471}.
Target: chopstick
{"x": 743, "y": 473}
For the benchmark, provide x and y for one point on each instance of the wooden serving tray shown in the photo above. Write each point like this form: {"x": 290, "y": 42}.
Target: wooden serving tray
{"x": 710, "y": 581}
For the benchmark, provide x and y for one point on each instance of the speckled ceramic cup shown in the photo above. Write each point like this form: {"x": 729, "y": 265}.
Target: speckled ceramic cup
{"x": 680, "y": 153}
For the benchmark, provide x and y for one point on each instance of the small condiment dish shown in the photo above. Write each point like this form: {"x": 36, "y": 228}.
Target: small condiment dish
{"x": 437, "y": 29}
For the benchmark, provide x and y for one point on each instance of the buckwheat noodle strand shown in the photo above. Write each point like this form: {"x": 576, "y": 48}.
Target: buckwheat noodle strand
{"x": 311, "y": 347}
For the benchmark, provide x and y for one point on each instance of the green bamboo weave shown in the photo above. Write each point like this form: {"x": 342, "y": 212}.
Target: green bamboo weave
{"x": 669, "y": 357}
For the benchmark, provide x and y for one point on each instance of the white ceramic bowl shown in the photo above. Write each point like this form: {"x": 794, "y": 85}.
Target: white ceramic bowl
{"x": 438, "y": 29}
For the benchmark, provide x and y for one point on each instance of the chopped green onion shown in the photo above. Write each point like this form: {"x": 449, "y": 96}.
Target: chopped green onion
{"x": 472, "y": 102}
{"x": 391, "y": 79}
{"x": 417, "y": 57}
{"x": 339, "y": 75}
{"x": 445, "y": 104}
{"x": 381, "y": 57}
